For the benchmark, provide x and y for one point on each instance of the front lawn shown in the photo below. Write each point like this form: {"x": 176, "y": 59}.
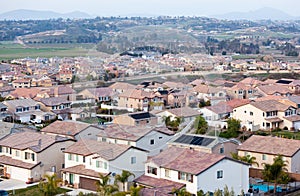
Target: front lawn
{"x": 33, "y": 191}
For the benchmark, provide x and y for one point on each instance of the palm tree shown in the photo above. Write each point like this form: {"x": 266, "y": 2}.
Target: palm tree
{"x": 235, "y": 155}
{"x": 134, "y": 190}
{"x": 50, "y": 186}
{"x": 267, "y": 173}
{"x": 249, "y": 159}
{"x": 123, "y": 178}
{"x": 103, "y": 186}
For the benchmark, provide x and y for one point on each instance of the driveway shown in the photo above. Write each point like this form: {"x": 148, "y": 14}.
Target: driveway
{"x": 11, "y": 184}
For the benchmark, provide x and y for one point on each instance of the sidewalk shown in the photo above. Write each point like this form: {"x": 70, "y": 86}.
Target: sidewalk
{"x": 12, "y": 184}
{"x": 75, "y": 192}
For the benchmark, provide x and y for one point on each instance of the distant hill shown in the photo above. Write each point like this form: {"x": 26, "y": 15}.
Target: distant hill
{"x": 260, "y": 14}
{"x": 40, "y": 15}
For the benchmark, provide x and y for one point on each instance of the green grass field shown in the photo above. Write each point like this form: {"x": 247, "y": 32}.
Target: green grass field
{"x": 10, "y": 50}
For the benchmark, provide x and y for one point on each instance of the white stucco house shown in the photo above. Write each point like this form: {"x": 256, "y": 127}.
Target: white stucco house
{"x": 181, "y": 167}
{"x": 27, "y": 156}
{"x": 85, "y": 159}
{"x": 150, "y": 138}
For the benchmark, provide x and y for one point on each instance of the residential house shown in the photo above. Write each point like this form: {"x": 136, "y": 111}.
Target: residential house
{"x": 140, "y": 100}
{"x": 209, "y": 93}
{"x": 64, "y": 91}
{"x": 274, "y": 89}
{"x": 85, "y": 159}
{"x": 54, "y": 103}
{"x": 43, "y": 81}
{"x": 266, "y": 148}
{"x": 64, "y": 76}
{"x": 22, "y": 83}
{"x": 205, "y": 143}
{"x": 149, "y": 138}
{"x": 25, "y": 156}
{"x": 103, "y": 94}
{"x": 194, "y": 170}
{"x": 71, "y": 129}
{"x": 120, "y": 87}
{"x": 5, "y": 91}
{"x": 136, "y": 119}
{"x": 26, "y": 110}
{"x": 186, "y": 114}
{"x": 268, "y": 115}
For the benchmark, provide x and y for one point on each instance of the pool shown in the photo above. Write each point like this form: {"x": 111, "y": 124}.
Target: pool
{"x": 264, "y": 187}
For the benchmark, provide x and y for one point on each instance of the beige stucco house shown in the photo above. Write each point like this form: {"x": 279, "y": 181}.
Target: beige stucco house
{"x": 27, "y": 156}
{"x": 266, "y": 148}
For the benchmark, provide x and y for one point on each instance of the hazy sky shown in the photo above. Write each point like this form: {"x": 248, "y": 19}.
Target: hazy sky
{"x": 155, "y": 7}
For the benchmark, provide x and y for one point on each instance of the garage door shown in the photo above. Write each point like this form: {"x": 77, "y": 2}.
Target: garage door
{"x": 87, "y": 183}
{"x": 19, "y": 173}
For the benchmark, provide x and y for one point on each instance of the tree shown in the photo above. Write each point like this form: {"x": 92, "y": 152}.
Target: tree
{"x": 123, "y": 178}
{"x": 200, "y": 125}
{"x": 103, "y": 186}
{"x": 181, "y": 192}
{"x": 173, "y": 124}
{"x": 134, "y": 190}
{"x": 233, "y": 127}
{"x": 50, "y": 186}
{"x": 249, "y": 159}
{"x": 275, "y": 172}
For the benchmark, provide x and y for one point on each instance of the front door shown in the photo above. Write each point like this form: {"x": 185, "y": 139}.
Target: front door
{"x": 71, "y": 178}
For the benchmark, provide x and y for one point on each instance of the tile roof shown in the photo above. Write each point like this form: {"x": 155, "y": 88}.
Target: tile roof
{"x": 70, "y": 128}
{"x": 20, "y": 103}
{"x": 25, "y": 92}
{"x": 54, "y": 101}
{"x": 271, "y": 145}
{"x": 37, "y": 142}
{"x": 185, "y": 160}
{"x": 184, "y": 112}
{"x": 101, "y": 92}
{"x": 6, "y": 160}
{"x": 162, "y": 186}
{"x": 122, "y": 85}
{"x": 270, "y": 105}
{"x": 125, "y": 132}
{"x": 137, "y": 94}
{"x": 81, "y": 170}
{"x": 105, "y": 150}
{"x": 237, "y": 102}
{"x": 220, "y": 108}
{"x": 272, "y": 89}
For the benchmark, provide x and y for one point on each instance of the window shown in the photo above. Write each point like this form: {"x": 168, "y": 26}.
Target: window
{"x": 1, "y": 149}
{"x": 251, "y": 113}
{"x": 185, "y": 176}
{"x": 32, "y": 157}
{"x": 53, "y": 169}
{"x": 240, "y": 92}
{"x": 245, "y": 111}
{"x": 37, "y": 107}
{"x": 17, "y": 153}
{"x": 160, "y": 138}
{"x": 103, "y": 139}
{"x": 221, "y": 150}
{"x": 263, "y": 124}
{"x": 133, "y": 160}
{"x": 167, "y": 173}
{"x": 105, "y": 165}
{"x": 69, "y": 157}
{"x": 83, "y": 159}
{"x": 152, "y": 170}
{"x": 151, "y": 141}
{"x": 250, "y": 91}
{"x": 77, "y": 158}
{"x": 99, "y": 164}
{"x": 264, "y": 157}
{"x": 219, "y": 174}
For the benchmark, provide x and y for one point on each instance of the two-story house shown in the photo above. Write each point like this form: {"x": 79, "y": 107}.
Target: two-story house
{"x": 210, "y": 93}
{"x": 22, "y": 83}
{"x": 140, "y": 100}
{"x": 150, "y": 138}
{"x": 268, "y": 114}
{"x": 54, "y": 103}
{"x": 194, "y": 170}
{"x": 85, "y": 159}
{"x": 137, "y": 118}
{"x": 27, "y": 156}
{"x": 71, "y": 129}
{"x": 266, "y": 148}
{"x": 26, "y": 110}
{"x": 98, "y": 94}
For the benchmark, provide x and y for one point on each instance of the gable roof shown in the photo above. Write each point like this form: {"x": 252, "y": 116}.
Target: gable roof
{"x": 20, "y": 103}
{"x": 271, "y": 145}
{"x": 70, "y": 128}
{"x": 53, "y": 101}
{"x": 122, "y": 85}
{"x": 186, "y": 160}
{"x": 270, "y": 105}
{"x": 137, "y": 94}
{"x": 107, "y": 151}
{"x": 272, "y": 89}
{"x": 184, "y": 112}
{"x": 36, "y": 142}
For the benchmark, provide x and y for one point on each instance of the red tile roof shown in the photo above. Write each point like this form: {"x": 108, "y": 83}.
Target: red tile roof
{"x": 6, "y": 160}
{"x": 107, "y": 151}
{"x": 81, "y": 170}
{"x": 186, "y": 160}
{"x": 271, "y": 145}
{"x": 70, "y": 128}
